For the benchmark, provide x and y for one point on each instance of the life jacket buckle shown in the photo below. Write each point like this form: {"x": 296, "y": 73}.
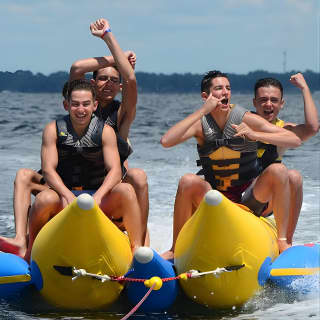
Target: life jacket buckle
{"x": 221, "y": 142}
{"x": 77, "y": 188}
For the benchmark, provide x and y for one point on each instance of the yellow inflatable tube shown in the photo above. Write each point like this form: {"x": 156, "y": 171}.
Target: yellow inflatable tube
{"x": 221, "y": 234}
{"x": 80, "y": 236}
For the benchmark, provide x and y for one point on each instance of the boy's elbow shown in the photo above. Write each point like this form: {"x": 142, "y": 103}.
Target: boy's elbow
{"x": 314, "y": 129}
{"x": 297, "y": 142}
{"x": 164, "y": 142}
{"x": 76, "y": 69}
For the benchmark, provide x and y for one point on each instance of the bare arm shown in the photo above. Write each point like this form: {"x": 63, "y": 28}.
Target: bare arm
{"x": 129, "y": 95}
{"x": 49, "y": 162}
{"x": 256, "y": 128}
{"x": 190, "y": 126}
{"x": 311, "y": 123}
{"x": 111, "y": 161}
{"x": 80, "y": 67}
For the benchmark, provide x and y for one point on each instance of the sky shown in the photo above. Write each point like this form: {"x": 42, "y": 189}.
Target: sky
{"x": 168, "y": 36}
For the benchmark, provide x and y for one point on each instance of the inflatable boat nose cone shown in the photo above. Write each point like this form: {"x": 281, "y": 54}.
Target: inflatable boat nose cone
{"x": 213, "y": 198}
{"x": 143, "y": 255}
{"x": 85, "y": 201}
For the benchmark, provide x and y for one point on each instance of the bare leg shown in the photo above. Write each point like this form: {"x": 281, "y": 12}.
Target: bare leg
{"x": 191, "y": 190}
{"x": 295, "y": 180}
{"x": 122, "y": 202}
{"x": 273, "y": 185}
{"x": 46, "y": 205}
{"x": 27, "y": 182}
{"x": 138, "y": 179}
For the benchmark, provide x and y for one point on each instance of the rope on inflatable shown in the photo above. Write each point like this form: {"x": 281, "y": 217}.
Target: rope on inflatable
{"x": 149, "y": 282}
{"x": 154, "y": 283}
{"x": 135, "y": 308}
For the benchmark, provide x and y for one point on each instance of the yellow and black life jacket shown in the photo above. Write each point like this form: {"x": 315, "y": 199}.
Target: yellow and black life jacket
{"x": 227, "y": 161}
{"x": 268, "y": 153}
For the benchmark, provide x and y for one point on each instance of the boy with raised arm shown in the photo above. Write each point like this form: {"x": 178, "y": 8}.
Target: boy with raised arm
{"x": 227, "y": 138}
{"x": 80, "y": 152}
{"x": 111, "y": 75}
{"x": 268, "y": 102}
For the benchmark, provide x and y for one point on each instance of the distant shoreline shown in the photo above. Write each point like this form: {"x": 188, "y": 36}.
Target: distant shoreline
{"x": 26, "y": 81}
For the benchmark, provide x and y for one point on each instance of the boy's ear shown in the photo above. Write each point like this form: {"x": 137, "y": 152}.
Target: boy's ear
{"x": 95, "y": 105}
{"x": 254, "y": 102}
{"x": 65, "y": 105}
{"x": 204, "y": 96}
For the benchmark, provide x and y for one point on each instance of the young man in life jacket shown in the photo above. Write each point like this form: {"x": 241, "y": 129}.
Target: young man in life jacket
{"x": 227, "y": 137}
{"x": 27, "y": 182}
{"x": 70, "y": 147}
{"x": 268, "y": 101}
{"x": 111, "y": 75}
{"x": 106, "y": 79}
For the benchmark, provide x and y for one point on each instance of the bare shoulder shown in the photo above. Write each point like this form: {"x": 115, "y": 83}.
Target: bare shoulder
{"x": 50, "y": 128}
{"x": 49, "y": 135}
{"x": 108, "y": 133}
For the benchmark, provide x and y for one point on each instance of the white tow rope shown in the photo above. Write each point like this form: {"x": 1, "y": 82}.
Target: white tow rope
{"x": 83, "y": 273}
{"x": 216, "y": 272}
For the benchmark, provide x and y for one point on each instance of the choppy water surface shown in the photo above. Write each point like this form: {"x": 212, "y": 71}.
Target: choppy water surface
{"x": 23, "y": 117}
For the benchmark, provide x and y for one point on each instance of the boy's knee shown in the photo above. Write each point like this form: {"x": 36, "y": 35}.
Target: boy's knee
{"x": 189, "y": 183}
{"x": 46, "y": 198}
{"x": 24, "y": 176}
{"x": 278, "y": 172}
{"x": 138, "y": 176}
{"x": 295, "y": 178}
{"x": 125, "y": 191}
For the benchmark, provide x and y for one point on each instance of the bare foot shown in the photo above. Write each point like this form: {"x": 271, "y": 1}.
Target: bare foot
{"x": 283, "y": 245}
{"x": 168, "y": 255}
{"x": 17, "y": 246}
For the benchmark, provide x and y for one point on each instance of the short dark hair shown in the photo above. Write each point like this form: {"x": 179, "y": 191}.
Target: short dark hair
{"x": 268, "y": 82}
{"x": 81, "y": 84}
{"x": 95, "y": 73}
{"x": 65, "y": 90}
{"x": 206, "y": 80}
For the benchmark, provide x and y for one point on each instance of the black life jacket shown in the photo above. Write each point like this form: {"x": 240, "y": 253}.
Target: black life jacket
{"x": 110, "y": 116}
{"x": 80, "y": 160}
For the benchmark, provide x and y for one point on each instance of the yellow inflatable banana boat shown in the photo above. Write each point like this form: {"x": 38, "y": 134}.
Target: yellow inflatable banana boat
{"x": 80, "y": 237}
{"x": 224, "y": 236}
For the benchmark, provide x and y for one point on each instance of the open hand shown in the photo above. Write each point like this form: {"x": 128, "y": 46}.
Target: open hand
{"x": 97, "y": 199}
{"x": 67, "y": 199}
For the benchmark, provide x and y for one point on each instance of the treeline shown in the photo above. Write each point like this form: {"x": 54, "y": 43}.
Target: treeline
{"x": 26, "y": 81}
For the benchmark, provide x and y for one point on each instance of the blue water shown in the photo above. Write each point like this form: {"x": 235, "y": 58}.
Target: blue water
{"x": 23, "y": 117}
